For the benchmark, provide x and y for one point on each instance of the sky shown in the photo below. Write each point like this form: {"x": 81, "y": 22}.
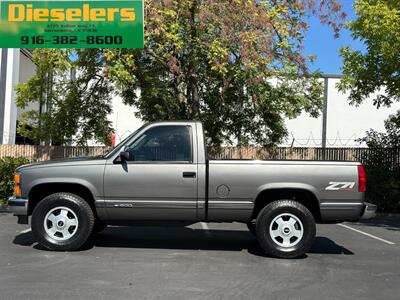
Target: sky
{"x": 321, "y": 42}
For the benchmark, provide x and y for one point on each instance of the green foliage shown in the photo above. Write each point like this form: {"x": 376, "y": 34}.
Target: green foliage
{"x": 383, "y": 188}
{"x": 74, "y": 109}
{"x": 375, "y": 70}
{"x": 388, "y": 139}
{"x": 235, "y": 65}
{"x": 7, "y": 170}
{"x": 383, "y": 175}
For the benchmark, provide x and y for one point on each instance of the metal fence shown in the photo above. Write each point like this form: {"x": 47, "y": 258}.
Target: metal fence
{"x": 377, "y": 157}
{"x": 43, "y": 153}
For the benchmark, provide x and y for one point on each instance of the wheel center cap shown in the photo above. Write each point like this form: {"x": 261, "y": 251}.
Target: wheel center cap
{"x": 286, "y": 230}
{"x": 60, "y": 224}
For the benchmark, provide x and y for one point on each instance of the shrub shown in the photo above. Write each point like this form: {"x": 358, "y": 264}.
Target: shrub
{"x": 383, "y": 188}
{"x": 7, "y": 170}
{"x": 383, "y": 165}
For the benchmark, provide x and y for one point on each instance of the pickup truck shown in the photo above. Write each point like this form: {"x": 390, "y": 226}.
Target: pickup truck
{"x": 161, "y": 172}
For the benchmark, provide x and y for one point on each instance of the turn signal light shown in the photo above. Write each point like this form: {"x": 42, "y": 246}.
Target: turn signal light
{"x": 17, "y": 185}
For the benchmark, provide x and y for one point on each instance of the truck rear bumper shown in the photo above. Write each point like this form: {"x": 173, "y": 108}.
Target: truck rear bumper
{"x": 369, "y": 211}
{"x": 19, "y": 207}
{"x": 353, "y": 211}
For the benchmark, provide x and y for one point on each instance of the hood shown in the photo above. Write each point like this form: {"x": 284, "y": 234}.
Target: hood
{"x": 76, "y": 161}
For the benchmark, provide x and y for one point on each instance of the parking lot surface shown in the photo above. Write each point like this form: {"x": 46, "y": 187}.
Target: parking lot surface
{"x": 202, "y": 261}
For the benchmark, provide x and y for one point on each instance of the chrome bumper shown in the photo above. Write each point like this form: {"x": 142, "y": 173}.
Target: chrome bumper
{"x": 369, "y": 211}
{"x": 19, "y": 207}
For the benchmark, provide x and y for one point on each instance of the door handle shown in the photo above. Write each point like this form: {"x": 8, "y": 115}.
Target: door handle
{"x": 189, "y": 174}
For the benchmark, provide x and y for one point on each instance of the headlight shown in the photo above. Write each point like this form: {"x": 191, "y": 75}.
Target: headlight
{"x": 17, "y": 185}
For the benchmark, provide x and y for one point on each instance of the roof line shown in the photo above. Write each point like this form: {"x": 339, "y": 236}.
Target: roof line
{"x": 332, "y": 76}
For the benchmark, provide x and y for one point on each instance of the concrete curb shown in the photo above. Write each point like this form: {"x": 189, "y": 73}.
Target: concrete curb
{"x": 388, "y": 215}
{"x": 4, "y": 209}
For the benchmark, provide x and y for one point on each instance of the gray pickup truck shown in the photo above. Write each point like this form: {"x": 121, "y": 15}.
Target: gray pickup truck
{"x": 161, "y": 173}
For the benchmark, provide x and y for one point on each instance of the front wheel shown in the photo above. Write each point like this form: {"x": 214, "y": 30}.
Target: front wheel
{"x": 62, "y": 222}
{"x": 285, "y": 229}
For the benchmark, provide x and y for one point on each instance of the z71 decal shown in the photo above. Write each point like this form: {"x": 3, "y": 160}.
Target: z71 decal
{"x": 340, "y": 186}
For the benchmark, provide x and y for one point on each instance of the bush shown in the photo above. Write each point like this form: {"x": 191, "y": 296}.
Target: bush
{"x": 383, "y": 189}
{"x": 383, "y": 165}
{"x": 7, "y": 170}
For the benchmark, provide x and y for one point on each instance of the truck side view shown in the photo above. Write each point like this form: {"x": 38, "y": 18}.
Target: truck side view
{"x": 161, "y": 173}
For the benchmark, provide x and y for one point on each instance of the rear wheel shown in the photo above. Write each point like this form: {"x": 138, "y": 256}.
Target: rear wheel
{"x": 285, "y": 229}
{"x": 62, "y": 222}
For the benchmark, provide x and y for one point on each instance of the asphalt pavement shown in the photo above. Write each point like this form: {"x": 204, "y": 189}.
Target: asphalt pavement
{"x": 202, "y": 261}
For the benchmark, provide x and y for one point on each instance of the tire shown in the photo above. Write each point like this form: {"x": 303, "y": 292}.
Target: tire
{"x": 285, "y": 229}
{"x": 98, "y": 227}
{"x": 252, "y": 227}
{"x": 62, "y": 222}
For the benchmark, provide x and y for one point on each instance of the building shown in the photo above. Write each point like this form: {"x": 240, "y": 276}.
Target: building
{"x": 16, "y": 66}
{"x": 338, "y": 126}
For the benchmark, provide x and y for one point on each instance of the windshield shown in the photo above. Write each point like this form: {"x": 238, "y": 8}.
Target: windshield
{"x": 121, "y": 144}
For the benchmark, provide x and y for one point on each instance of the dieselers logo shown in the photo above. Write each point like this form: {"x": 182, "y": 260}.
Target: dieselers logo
{"x": 72, "y": 24}
{"x": 28, "y": 13}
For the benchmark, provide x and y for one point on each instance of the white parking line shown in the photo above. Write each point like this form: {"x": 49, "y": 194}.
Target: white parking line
{"x": 204, "y": 226}
{"x": 26, "y": 230}
{"x": 367, "y": 234}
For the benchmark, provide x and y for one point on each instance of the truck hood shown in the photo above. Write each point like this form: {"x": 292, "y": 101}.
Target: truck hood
{"x": 76, "y": 161}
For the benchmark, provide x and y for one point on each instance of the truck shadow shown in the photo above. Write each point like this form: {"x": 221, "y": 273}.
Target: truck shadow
{"x": 388, "y": 222}
{"x": 182, "y": 238}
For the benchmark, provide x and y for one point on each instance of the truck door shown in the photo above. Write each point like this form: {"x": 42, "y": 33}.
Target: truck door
{"x": 158, "y": 181}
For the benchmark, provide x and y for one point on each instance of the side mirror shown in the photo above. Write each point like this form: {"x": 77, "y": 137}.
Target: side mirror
{"x": 124, "y": 156}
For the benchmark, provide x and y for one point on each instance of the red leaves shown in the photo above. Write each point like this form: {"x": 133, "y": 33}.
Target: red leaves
{"x": 261, "y": 37}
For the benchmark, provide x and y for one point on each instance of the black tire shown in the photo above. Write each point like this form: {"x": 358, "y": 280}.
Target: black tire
{"x": 98, "y": 227}
{"x": 74, "y": 203}
{"x": 252, "y": 227}
{"x": 280, "y": 208}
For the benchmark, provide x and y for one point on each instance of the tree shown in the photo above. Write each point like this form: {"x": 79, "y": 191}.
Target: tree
{"x": 237, "y": 65}
{"x": 74, "y": 108}
{"x": 376, "y": 70}
{"x": 388, "y": 139}
{"x": 383, "y": 170}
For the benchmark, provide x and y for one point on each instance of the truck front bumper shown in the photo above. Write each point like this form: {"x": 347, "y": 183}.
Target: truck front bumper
{"x": 19, "y": 207}
{"x": 369, "y": 211}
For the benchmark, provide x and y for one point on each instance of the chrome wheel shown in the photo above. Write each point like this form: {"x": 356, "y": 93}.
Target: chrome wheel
{"x": 286, "y": 230}
{"x": 61, "y": 223}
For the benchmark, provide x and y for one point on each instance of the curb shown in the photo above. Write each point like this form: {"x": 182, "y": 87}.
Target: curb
{"x": 4, "y": 209}
{"x": 388, "y": 215}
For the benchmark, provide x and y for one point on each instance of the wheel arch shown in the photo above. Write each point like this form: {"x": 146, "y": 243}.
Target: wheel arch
{"x": 305, "y": 196}
{"x": 41, "y": 190}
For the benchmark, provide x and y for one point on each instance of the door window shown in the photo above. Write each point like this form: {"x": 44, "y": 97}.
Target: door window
{"x": 162, "y": 143}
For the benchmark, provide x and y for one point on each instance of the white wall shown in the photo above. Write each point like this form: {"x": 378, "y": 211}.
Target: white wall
{"x": 10, "y": 108}
{"x": 26, "y": 69}
{"x": 18, "y": 68}
{"x": 345, "y": 122}
{"x": 123, "y": 119}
